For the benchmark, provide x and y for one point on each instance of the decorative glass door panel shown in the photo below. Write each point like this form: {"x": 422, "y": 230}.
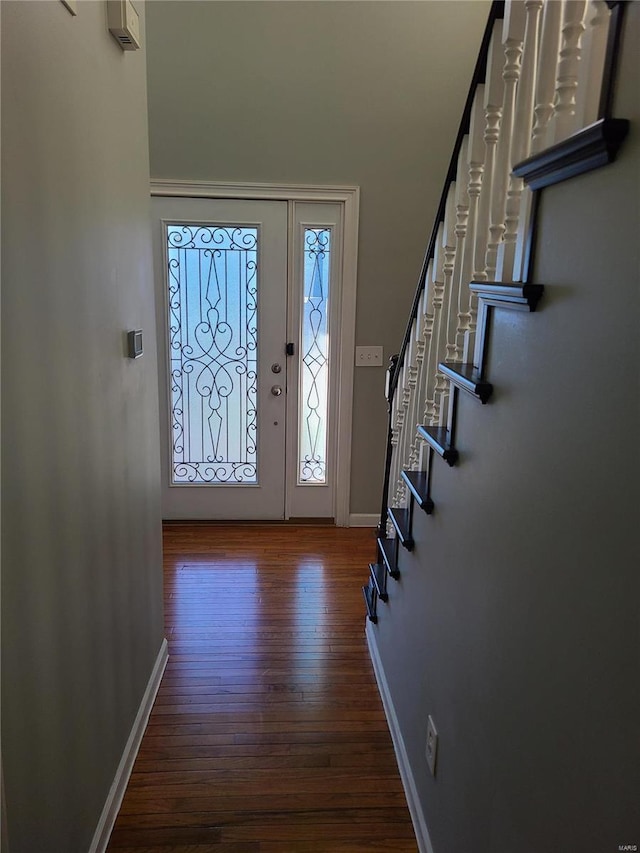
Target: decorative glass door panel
{"x": 314, "y": 384}
{"x": 314, "y": 302}
{"x": 222, "y": 302}
{"x": 213, "y": 280}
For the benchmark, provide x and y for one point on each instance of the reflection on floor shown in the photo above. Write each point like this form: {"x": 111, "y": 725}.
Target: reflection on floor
{"x": 268, "y": 734}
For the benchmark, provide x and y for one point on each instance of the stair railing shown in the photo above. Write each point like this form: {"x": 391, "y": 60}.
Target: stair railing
{"x": 544, "y": 72}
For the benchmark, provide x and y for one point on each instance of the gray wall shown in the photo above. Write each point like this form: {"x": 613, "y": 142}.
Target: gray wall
{"x": 365, "y": 93}
{"x": 81, "y": 551}
{"x": 515, "y": 624}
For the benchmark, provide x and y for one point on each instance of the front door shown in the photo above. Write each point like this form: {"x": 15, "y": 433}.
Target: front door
{"x": 222, "y": 304}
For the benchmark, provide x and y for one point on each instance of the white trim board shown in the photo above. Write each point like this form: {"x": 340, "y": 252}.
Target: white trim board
{"x": 121, "y": 779}
{"x": 349, "y": 196}
{"x": 364, "y": 519}
{"x": 408, "y": 782}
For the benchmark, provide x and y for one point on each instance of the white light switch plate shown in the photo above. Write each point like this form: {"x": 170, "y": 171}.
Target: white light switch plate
{"x": 368, "y": 356}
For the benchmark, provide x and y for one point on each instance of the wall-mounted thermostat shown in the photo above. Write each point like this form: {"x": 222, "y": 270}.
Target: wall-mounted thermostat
{"x": 134, "y": 343}
{"x": 124, "y": 23}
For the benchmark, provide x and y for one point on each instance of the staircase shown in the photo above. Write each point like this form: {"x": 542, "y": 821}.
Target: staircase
{"x": 538, "y": 112}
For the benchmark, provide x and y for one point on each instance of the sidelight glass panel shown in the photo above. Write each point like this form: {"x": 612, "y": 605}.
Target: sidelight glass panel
{"x": 212, "y": 300}
{"x": 314, "y": 368}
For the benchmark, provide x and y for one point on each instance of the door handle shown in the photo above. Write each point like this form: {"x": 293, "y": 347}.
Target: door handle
{"x": 276, "y": 390}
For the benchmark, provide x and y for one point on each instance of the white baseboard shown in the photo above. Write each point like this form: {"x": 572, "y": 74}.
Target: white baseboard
{"x": 364, "y": 519}
{"x": 410, "y": 790}
{"x": 119, "y": 784}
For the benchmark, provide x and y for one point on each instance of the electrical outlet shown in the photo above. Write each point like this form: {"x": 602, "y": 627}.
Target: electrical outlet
{"x": 431, "y": 749}
{"x": 368, "y": 356}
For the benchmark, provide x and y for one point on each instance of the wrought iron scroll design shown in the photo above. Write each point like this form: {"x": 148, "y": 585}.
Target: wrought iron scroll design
{"x": 315, "y": 357}
{"x": 212, "y": 301}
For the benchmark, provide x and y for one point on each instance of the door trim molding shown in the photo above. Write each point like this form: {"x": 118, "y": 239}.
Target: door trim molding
{"x": 349, "y": 196}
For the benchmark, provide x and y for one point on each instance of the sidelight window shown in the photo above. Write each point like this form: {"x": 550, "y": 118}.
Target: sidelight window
{"x": 314, "y": 369}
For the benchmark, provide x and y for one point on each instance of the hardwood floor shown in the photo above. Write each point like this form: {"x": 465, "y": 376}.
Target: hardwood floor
{"x": 268, "y": 733}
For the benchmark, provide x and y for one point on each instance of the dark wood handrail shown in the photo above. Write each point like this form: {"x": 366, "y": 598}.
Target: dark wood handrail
{"x": 588, "y": 148}
{"x": 496, "y": 13}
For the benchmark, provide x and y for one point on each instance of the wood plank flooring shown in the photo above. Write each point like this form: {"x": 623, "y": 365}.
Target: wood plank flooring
{"x": 268, "y": 733}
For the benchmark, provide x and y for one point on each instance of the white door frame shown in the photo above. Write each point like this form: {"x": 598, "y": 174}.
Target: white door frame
{"x": 349, "y": 197}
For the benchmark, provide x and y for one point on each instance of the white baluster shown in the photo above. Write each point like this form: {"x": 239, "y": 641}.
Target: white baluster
{"x": 476, "y": 152}
{"x": 412, "y": 375}
{"x": 427, "y": 378}
{"x": 396, "y": 443}
{"x": 450, "y": 242}
{"x": 597, "y": 19}
{"x": 463, "y": 255}
{"x": 512, "y": 39}
{"x": 399, "y": 418}
{"x": 403, "y": 404}
{"x": 514, "y": 237}
{"x": 431, "y": 359}
{"x": 564, "y": 113}
{"x": 424, "y": 457}
{"x": 393, "y": 467}
{"x": 493, "y": 105}
{"x": 441, "y": 383}
{"x": 547, "y": 65}
{"x": 418, "y": 398}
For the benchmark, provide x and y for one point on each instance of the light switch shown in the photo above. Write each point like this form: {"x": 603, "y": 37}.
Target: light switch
{"x": 368, "y": 356}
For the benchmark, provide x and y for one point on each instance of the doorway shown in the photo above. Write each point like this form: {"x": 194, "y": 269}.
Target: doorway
{"x": 251, "y": 295}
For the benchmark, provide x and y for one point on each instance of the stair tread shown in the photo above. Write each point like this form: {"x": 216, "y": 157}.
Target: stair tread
{"x": 468, "y": 377}
{"x": 368, "y": 599}
{"x": 401, "y": 519}
{"x": 418, "y": 483}
{"x": 440, "y": 440}
{"x": 388, "y": 551}
{"x": 378, "y": 573}
{"x": 508, "y": 294}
